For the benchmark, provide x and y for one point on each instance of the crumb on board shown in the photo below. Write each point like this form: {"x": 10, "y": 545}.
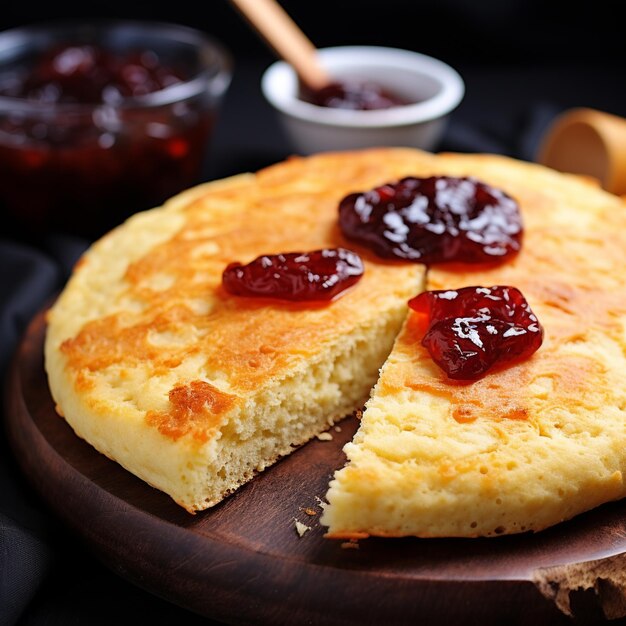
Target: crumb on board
{"x": 358, "y": 414}
{"x": 353, "y": 544}
{"x": 325, "y": 437}
{"x": 309, "y": 511}
{"x": 300, "y": 527}
{"x": 337, "y": 429}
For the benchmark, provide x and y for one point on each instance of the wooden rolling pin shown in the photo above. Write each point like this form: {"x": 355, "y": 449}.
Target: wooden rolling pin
{"x": 588, "y": 142}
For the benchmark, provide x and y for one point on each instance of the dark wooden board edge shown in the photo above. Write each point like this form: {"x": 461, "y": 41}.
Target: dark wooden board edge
{"x": 235, "y": 585}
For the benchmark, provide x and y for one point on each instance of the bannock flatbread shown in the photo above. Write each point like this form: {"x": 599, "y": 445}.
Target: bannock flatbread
{"x": 194, "y": 390}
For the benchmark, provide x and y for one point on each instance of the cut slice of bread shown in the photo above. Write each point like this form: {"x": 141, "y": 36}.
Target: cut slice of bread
{"x": 529, "y": 445}
{"x": 195, "y": 390}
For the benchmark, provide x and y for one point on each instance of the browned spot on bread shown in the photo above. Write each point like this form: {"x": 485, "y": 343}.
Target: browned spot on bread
{"x": 83, "y": 381}
{"x": 516, "y": 413}
{"x": 464, "y": 414}
{"x": 109, "y": 341}
{"x": 194, "y": 407}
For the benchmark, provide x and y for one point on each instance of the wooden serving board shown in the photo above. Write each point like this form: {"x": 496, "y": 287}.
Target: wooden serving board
{"x": 243, "y": 562}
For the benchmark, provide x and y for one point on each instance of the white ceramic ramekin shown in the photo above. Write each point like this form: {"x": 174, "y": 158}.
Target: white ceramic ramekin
{"x": 433, "y": 86}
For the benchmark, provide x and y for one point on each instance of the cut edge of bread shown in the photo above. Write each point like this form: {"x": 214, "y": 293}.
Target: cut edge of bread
{"x": 295, "y": 409}
{"x": 254, "y": 434}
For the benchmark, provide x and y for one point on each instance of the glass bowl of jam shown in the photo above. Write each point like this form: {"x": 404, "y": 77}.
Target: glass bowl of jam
{"x": 379, "y": 97}
{"x": 100, "y": 120}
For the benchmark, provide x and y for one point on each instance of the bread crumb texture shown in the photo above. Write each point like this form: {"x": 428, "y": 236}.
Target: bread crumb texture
{"x": 326, "y": 436}
{"x": 301, "y": 528}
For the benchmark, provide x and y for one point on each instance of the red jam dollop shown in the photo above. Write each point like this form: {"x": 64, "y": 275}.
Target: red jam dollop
{"x": 434, "y": 220}
{"x": 469, "y": 330}
{"x": 354, "y": 95}
{"x": 85, "y": 74}
{"x": 297, "y": 276}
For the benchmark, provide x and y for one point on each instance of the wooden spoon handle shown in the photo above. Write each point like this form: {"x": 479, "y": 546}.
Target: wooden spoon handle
{"x": 291, "y": 44}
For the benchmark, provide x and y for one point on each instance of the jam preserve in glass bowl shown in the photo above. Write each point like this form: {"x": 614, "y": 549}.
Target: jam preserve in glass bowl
{"x": 98, "y": 121}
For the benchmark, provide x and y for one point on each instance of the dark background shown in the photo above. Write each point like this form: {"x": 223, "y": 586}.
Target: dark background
{"x": 489, "y": 32}
{"x": 522, "y": 61}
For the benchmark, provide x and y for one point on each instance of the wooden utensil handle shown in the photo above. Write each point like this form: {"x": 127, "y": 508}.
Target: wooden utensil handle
{"x": 290, "y": 43}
